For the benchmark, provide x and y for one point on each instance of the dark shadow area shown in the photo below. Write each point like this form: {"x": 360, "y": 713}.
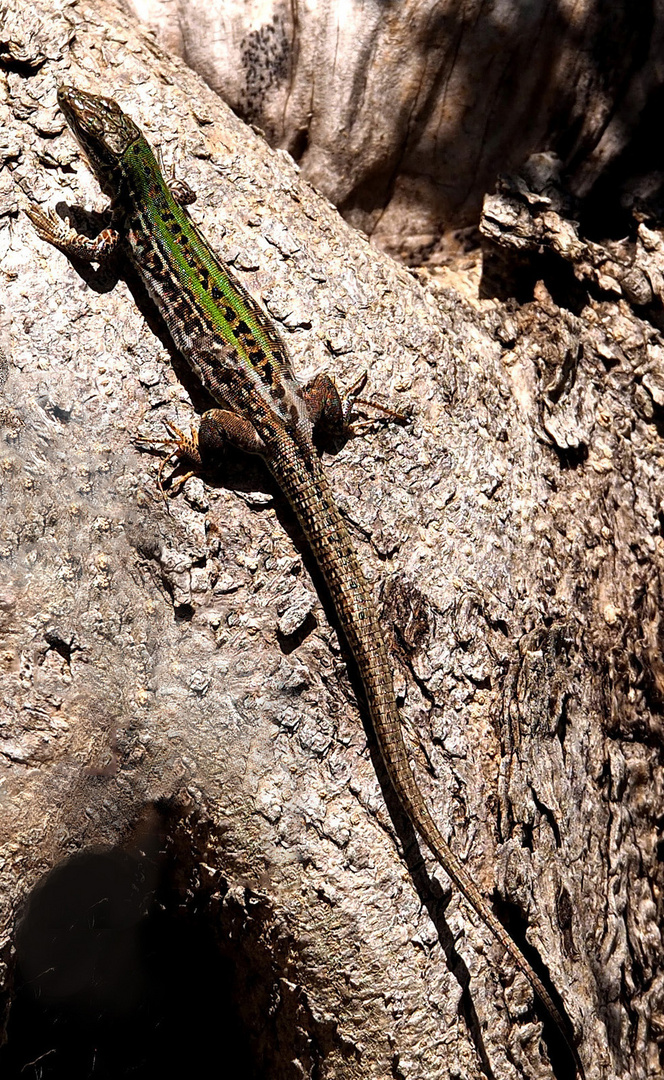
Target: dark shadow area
{"x": 508, "y": 274}
{"x": 572, "y": 457}
{"x": 633, "y": 182}
{"x": 559, "y": 1053}
{"x": 288, "y": 643}
{"x": 116, "y": 978}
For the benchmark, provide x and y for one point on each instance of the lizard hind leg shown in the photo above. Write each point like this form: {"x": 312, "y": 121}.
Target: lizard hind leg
{"x": 202, "y": 448}
{"x": 329, "y": 410}
{"x": 220, "y": 428}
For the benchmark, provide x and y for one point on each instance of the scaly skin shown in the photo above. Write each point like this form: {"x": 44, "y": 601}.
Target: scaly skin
{"x": 238, "y": 355}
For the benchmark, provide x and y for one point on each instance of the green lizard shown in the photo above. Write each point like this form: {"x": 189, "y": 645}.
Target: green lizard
{"x": 237, "y": 353}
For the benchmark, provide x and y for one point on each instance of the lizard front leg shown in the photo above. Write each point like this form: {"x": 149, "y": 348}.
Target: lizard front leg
{"x": 58, "y": 232}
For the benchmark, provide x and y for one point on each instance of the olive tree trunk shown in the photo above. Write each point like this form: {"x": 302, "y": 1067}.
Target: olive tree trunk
{"x": 182, "y": 743}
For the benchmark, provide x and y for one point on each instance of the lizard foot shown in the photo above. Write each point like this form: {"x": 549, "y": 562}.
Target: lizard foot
{"x": 352, "y": 398}
{"x": 182, "y": 448}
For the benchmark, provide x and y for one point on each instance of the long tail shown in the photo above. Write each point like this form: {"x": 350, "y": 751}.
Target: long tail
{"x": 314, "y": 505}
{"x": 390, "y": 741}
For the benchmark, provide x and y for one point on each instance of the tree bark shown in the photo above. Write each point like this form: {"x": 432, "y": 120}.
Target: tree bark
{"x": 177, "y": 709}
{"x": 404, "y": 115}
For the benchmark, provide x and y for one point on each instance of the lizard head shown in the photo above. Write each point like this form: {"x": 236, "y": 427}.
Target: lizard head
{"x": 101, "y": 128}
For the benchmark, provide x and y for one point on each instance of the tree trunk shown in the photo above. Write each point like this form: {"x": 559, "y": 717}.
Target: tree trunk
{"x": 182, "y": 744}
{"x": 404, "y": 114}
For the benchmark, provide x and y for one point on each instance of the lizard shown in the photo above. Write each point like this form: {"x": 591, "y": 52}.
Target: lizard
{"x": 238, "y": 354}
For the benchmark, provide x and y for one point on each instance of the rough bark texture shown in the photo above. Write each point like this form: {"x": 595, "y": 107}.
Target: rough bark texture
{"x": 404, "y": 114}
{"x": 176, "y": 711}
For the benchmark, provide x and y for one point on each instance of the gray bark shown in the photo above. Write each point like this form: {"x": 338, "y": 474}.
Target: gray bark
{"x": 172, "y": 681}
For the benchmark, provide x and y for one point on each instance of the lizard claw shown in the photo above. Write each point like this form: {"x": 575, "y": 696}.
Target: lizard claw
{"x": 183, "y": 447}
{"x": 49, "y": 227}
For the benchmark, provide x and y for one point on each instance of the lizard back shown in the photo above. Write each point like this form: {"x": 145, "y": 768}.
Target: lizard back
{"x": 205, "y": 307}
